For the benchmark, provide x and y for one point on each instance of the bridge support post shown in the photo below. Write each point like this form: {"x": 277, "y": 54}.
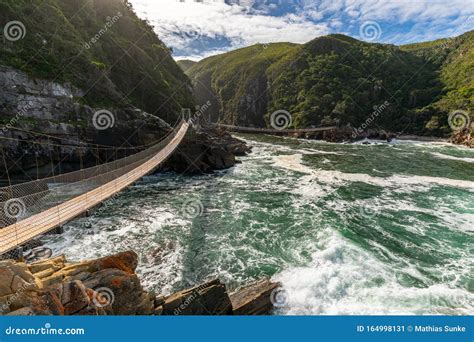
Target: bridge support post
{"x": 59, "y": 230}
{"x": 15, "y": 254}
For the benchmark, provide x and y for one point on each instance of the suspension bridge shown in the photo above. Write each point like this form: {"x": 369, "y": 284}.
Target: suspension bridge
{"x": 30, "y": 209}
{"x": 240, "y": 129}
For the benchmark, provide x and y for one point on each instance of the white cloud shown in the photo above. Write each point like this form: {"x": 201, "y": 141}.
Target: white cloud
{"x": 199, "y": 29}
{"x": 213, "y": 19}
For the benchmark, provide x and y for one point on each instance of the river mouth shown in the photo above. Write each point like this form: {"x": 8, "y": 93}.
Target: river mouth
{"x": 346, "y": 228}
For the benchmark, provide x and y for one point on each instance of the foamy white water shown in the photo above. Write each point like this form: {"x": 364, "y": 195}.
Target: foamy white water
{"x": 346, "y": 229}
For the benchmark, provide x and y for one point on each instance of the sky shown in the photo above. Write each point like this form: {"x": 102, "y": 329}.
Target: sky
{"x": 196, "y": 29}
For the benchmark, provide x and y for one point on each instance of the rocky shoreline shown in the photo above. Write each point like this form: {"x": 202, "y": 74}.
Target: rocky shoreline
{"x": 44, "y": 123}
{"x": 205, "y": 150}
{"x": 346, "y": 134}
{"x": 110, "y": 286}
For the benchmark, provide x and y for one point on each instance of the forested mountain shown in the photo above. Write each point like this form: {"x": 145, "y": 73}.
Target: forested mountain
{"x": 99, "y": 46}
{"x": 339, "y": 80}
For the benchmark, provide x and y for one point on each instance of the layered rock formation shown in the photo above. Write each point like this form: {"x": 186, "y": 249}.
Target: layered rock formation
{"x": 206, "y": 149}
{"x": 109, "y": 286}
{"x": 54, "y": 109}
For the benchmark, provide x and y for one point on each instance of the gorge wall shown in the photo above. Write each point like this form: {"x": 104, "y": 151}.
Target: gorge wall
{"x": 338, "y": 80}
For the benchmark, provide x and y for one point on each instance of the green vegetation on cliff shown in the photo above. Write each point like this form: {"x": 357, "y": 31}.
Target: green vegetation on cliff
{"x": 100, "y": 46}
{"x": 339, "y": 80}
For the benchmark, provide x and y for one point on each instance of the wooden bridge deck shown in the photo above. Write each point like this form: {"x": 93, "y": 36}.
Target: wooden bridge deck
{"x": 24, "y": 230}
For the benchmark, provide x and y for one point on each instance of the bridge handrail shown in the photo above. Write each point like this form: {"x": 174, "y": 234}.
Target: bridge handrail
{"x": 22, "y": 231}
{"x": 39, "y": 185}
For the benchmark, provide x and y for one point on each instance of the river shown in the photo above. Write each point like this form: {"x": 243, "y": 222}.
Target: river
{"x": 385, "y": 228}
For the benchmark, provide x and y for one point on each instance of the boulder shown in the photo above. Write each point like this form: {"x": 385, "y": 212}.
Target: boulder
{"x": 73, "y": 297}
{"x": 50, "y": 264}
{"x": 207, "y": 299}
{"x": 254, "y": 299}
{"x": 16, "y": 277}
{"x": 205, "y": 150}
{"x": 122, "y": 291}
{"x": 41, "y": 302}
{"x": 22, "y": 312}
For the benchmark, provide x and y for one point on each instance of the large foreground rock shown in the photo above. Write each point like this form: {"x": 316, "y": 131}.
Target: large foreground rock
{"x": 206, "y": 299}
{"x": 254, "y": 299}
{"x": 110, "y": 286}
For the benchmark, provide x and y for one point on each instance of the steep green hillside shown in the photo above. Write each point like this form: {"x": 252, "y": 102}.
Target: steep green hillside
{"x": 235, "y": 82}
{"x": 100, "y": 46}
{"x": 455, "y": 59}
{"x": 185, "y": 64}
{"x": 340, "y": 80}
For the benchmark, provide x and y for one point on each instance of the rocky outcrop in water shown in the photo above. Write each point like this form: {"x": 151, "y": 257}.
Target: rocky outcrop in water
{"x": 463, "y": 137}
{"x": 110, "y": 286}
{"x": 206, "y": 149}
{"x": 57, "y": 110}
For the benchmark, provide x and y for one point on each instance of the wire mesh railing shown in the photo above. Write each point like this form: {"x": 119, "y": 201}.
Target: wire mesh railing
{"x": 31, "y": 209}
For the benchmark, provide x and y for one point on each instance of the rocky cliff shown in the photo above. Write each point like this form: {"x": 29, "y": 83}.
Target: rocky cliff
{"x": 338, "y": 80}
{"x": 68, "y": 129}
{"x": 71, "y": 134}
{"x": 101, "y": 47}
{"x": 109, "y": 286}
{"x": 105, "y": 80}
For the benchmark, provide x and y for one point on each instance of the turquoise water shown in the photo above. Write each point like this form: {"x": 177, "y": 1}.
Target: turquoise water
{"x": 346, "y": 228}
